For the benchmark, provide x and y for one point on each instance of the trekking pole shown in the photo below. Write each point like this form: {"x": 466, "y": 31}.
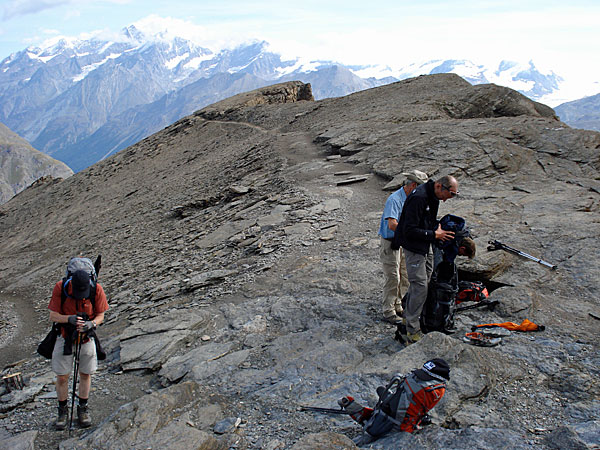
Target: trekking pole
{"x": 75, "y": 373}
{"x": 495, "y": 245}
{"x": 490, "y": 306}
{"x": 323, "y": 410}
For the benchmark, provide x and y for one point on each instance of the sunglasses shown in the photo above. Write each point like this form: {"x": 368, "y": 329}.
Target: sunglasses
{"x": 452, "y": 193}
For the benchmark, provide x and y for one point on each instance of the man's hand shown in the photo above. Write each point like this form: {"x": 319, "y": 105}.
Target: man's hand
{"x": 443, "y": 235}
{"x": 73, "y": 320}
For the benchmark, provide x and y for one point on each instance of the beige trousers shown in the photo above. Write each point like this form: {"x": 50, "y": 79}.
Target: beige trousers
{"x": 395, "y": 284}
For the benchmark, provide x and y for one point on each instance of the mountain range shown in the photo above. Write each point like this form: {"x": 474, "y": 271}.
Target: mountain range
{"x": 82, "y": 100}
{"x": 583, "y": 113}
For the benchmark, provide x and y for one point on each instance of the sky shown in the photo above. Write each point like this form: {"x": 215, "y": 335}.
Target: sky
{"x": 563, "y": 36}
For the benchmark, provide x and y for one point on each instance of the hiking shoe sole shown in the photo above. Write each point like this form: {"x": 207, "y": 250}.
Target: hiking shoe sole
{"x": 481, "y": 340}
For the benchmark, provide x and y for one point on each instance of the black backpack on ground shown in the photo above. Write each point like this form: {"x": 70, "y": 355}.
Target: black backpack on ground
{"x": 439, "y": 308}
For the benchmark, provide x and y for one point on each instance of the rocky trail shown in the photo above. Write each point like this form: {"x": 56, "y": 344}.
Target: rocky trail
{"x": 242, "y": 268}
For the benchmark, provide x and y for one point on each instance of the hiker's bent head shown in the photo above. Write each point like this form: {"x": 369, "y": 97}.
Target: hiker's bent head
{"x": 446, "y": 188}
{"x": 467, "y": 248}
{"x": 80, "y": 283}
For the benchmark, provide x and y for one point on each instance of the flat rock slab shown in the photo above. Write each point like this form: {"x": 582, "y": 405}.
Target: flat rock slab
{"x": 179, "y": 366}
{"x": 224, "y": 232}
{"x": 152, "y": 421}
{"x": 18, "y": 397}
{"x": 22, "y": 441}
{"x": 148, "y": 344}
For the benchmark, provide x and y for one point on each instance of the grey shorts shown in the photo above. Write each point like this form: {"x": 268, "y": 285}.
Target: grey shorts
{"x": 63, "y": 364}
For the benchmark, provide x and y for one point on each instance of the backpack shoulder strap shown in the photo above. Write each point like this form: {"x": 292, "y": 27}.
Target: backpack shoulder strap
{"x": 63, "y": 293}
{"x": 93, "y": 295}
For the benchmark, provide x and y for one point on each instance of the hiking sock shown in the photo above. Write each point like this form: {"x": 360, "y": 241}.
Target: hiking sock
{"x": 83, "y": 402}
{"x": 62, "y": 404}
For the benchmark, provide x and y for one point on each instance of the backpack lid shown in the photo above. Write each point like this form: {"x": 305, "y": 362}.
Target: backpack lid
{"x": 78, "y": 263}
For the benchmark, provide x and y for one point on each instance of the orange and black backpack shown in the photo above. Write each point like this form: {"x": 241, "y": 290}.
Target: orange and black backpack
{"x": 471, "y": 291}
{"x": 403, "y": 403}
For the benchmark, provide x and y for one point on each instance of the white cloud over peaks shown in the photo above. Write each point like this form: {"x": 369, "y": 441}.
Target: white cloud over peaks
{"x": 214, "y": 36}
{"x": 169, "y": 27}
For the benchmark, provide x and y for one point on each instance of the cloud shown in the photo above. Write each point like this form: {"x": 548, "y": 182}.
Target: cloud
{"x": 16, "y": 8}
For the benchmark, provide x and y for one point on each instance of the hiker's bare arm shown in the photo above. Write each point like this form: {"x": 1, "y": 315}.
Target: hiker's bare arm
{"x": 99, "y": 318}
{"x": 61, "y": 318}
{"x": 58, "y": 318}
{"x": 392, "y": 224}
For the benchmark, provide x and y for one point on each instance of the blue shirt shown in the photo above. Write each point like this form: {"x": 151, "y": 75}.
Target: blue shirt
{"x": 392, "y": 210}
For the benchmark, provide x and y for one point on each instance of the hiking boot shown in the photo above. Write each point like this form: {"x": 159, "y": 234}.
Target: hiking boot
{"x": 400, "y": 335}
{"x": 393, "y": 319}
{"x": 414, "y": 337}
{"x": 481, "y": 340}
{"x": 83, "y": 416}
{"x": 61, "y": 421}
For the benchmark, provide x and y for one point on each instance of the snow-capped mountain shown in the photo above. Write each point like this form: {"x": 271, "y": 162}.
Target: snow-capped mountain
{"x": 523, "y": 77}
{"x": 82, "y": 100}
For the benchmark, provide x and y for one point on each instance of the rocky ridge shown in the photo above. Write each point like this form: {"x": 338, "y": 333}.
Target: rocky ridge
{"x": 21, "y": 165}
{"x": 241, "y": 263}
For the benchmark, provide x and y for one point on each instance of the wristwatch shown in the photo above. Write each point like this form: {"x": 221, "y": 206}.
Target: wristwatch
{"x": 94, "y": 323}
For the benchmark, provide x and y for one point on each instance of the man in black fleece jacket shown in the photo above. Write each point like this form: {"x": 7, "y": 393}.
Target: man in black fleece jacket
{"x": 419, "y": 228}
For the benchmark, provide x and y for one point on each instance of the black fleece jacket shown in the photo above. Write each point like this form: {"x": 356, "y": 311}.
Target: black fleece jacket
{"x": 416, "y": 229}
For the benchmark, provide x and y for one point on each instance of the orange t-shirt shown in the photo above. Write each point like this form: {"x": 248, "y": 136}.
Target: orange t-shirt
{"x": 73, "y": 306}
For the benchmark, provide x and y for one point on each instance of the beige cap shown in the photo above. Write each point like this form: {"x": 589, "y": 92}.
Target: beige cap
{"x": 416, "y": 176}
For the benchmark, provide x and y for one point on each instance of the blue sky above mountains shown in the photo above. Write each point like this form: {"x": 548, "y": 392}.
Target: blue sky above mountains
{"x": 559, "y": 35}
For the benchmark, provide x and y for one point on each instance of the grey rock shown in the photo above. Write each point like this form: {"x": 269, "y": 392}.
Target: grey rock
{"x": 22, "y": 441}
{"x": 177, "y": 367}
{"x": 239, "y": 189}
{"x": 588, "y": 432}
{"x": 11, "y": 400}
{"x": 301, "y": 228}
{"x": 565, "y": 437}
{"x": 208, "y": 278}
{"x": 224, "y": 232}
{"x": 324, "y": 441}
{"x": 153, "y": 421}
{"x": 516, "y": 303}
{"x": 227, "y": 425}
{"x": 444, "y": 439}
{"x": 148, "y": 344}
{"x": 325, "y": 207}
